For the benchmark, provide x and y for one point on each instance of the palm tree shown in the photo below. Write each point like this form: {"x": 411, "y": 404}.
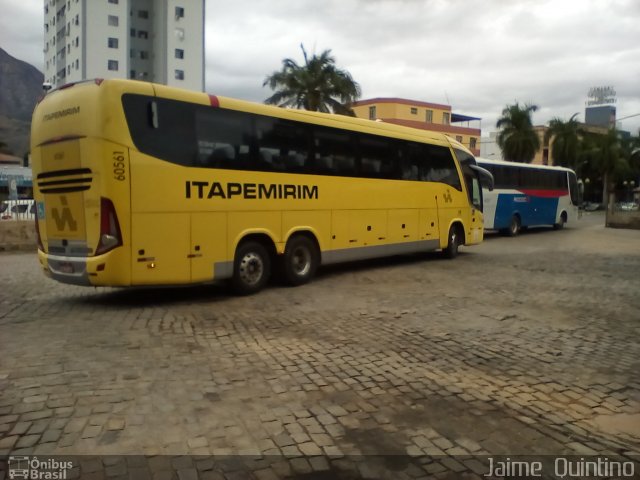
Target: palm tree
{"x": 317, "y": 85}
{"x": 517, "y": 139}
{"x": 566, "y": 141}
{"x": 605, "y": 154}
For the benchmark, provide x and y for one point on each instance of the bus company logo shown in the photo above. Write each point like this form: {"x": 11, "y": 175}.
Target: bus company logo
{"x": 61, "y": 113}
{"x": 65, "y": 217}
{"x": 36, "y": 469}
{"x": 250, "y": 191}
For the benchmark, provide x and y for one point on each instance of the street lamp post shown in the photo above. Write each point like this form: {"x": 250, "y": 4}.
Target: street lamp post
{"x": 628, "y": 186}
{"x": 587, "y": 181}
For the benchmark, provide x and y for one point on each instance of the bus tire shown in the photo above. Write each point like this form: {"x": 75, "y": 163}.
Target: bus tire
{"x": 453, "y": 242}
{"x": 300, "y": 260}
{"x": 251, "y": 268}
{"x": 561, "y": 223}
{"x": 514, "y": 226}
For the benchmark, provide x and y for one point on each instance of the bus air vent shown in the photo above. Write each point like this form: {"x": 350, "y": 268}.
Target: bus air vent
{"x": 65, "y": 181}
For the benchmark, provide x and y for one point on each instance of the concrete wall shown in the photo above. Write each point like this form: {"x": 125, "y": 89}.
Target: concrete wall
{"x": 621, "y": 219}
{"x": 17, "y": 235}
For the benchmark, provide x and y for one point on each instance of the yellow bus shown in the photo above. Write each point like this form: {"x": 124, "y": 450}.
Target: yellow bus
{"x": 143, "y": 184}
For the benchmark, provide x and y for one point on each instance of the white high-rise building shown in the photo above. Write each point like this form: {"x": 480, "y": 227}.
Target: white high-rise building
{"x": 158, "y": 41}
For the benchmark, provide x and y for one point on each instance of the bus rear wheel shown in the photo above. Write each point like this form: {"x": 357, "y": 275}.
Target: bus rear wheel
{"x": 300, "y": 260}
{"x": 453, "y": 242}
{"x": 514, "y": 226}
{"x": 251, "y": 268}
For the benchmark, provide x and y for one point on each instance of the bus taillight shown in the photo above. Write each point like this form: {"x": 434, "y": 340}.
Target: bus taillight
{"x": 110, "y": 235}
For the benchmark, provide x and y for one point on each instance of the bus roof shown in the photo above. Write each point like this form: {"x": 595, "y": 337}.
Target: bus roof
{"x": 508, "y": 163}
{"x": 327, "y": 119}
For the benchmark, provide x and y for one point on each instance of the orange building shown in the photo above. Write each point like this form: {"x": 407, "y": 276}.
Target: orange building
{"x": 422, "y": 115}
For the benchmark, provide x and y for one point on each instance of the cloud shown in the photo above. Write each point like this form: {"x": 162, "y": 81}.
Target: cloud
{"x": 479, "y": 55}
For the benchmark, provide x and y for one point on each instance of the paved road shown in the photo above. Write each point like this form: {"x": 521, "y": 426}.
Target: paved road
{"x": 412, "y": 367}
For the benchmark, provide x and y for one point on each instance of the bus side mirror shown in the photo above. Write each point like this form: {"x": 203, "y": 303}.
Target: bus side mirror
{"x": 486, "y": 178}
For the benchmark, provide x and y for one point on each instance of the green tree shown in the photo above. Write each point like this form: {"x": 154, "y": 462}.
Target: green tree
{"x": 565, "y": 141}
{"x": 4, "y": 148}
{"x": 317, "y": 85}
{"x": 517, "y": 139}
{"x": 604, "y": 153}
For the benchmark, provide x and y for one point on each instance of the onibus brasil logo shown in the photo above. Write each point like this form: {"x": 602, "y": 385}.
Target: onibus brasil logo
{"x": 36, "y": 469}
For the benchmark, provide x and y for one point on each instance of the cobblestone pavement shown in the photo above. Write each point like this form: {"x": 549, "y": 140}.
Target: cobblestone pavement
{"x": 412, "y": 367}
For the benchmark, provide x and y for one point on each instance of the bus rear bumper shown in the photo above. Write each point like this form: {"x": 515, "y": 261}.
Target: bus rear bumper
{"x": 71, "y": 270}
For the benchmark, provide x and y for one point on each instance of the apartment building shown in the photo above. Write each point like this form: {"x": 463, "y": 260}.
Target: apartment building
{"x": 159, "y": 41}
{"x": 422, "y": 115}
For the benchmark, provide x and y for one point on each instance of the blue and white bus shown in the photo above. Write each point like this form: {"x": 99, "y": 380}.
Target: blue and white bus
{"x": 527, "y": 195}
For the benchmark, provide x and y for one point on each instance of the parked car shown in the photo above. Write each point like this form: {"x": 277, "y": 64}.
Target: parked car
{"x": 24, "y": 209}
{"x": 628, "y": 206}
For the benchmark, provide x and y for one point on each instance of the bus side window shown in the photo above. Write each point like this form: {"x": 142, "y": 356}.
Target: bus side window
{"x": 442, "y": 167}
{"x": 334, "y": 152}
{"x": 283, "y": 145}
{"x": 223, "y": 139}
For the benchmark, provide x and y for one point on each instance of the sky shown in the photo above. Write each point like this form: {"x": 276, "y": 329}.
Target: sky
{"x": 476, "y": 55}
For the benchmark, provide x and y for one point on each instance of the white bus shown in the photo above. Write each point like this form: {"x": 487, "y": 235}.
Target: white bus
{"x": 527, "y": 195}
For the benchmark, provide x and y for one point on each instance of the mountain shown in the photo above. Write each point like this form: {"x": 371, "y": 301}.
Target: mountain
{"x": 20, "y": 89}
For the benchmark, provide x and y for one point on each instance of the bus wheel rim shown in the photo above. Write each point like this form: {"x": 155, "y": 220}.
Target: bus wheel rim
{"x": 251, "y": 268}
{"x": 301, "y": 261}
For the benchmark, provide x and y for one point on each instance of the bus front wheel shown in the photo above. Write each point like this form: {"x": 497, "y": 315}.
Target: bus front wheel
{"x": 561, "y": 223}
{"x": 453, "y": 242}
{"x": 300, "y": 260}
{"x": 251, "y": 268}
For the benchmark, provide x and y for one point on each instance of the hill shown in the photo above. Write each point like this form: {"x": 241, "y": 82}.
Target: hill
{"x": 20, "y": 89}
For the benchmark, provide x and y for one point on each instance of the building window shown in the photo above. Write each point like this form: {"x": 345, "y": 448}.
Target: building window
{"x": 132, "y": 74}
{"x": 132, "y": 32}
{"x": 372, "y": 113}
{"x": 144, "y": 55}
{"x": 77, "y": 64}
{"x": 115, "y": 2}
{"x": 459, "y": 138}
{"x": 112, "y": 42}
{"x": 179, "y": 53}
{"x": 429, "y": 117}
{"x": 179, "y": 74}
{"x": 77, "y": 41}
{"x": 143, "y": 34}
{"x": 414, "y": 111}
{"x": 143, "y": 14}
{"x": 112, "y": 65}
{"x": 113, "y": 20}
{"x": 77, "y": 19}
{"x": 446, "y": 118}
{"x": 472, "y": 143}
{"x": 179, "y": 12}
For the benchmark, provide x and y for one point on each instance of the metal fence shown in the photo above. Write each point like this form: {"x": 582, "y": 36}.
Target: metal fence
{"x": 23, "y": 209}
